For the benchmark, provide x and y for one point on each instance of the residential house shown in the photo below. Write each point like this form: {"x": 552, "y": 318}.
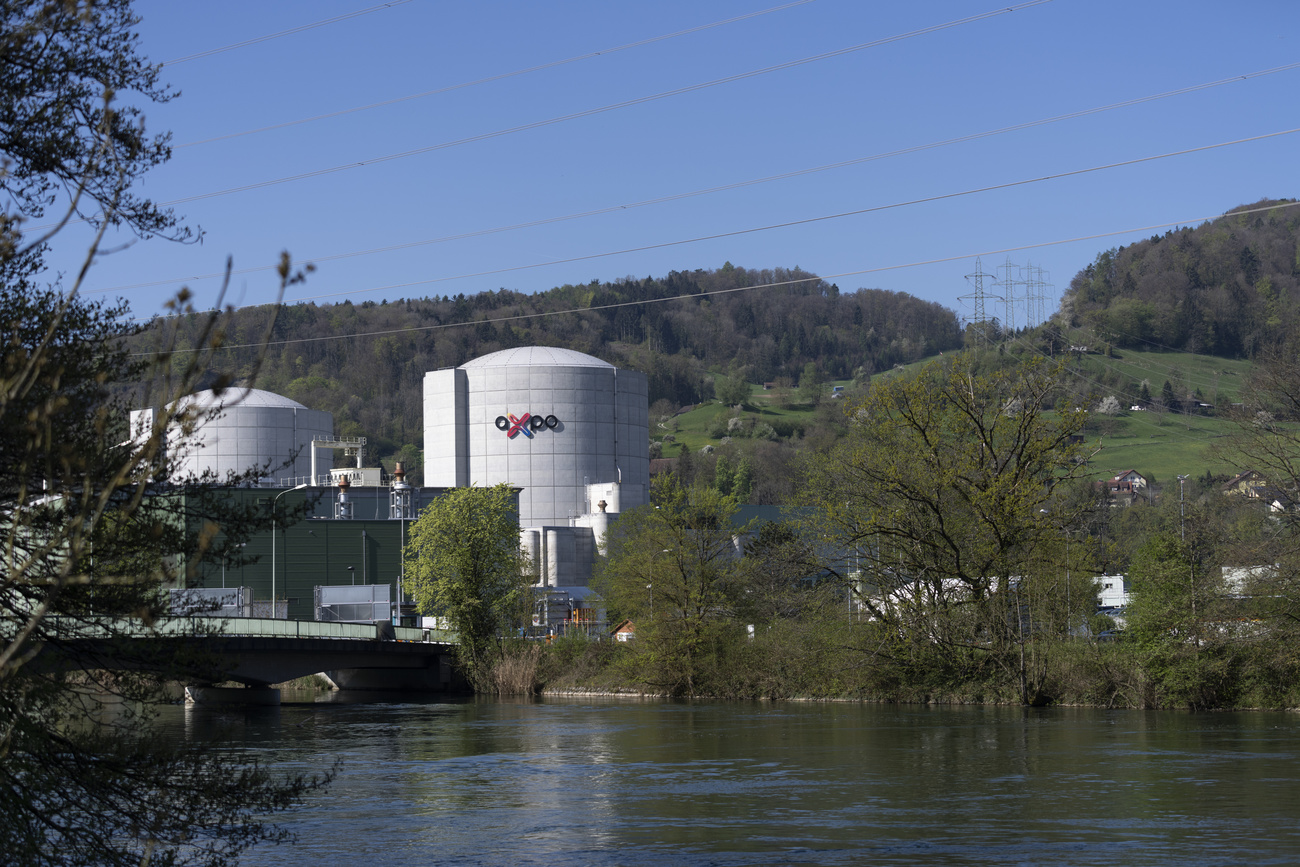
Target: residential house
{"x": 1250, "y": 484}
{"x": 1127, "y": 482}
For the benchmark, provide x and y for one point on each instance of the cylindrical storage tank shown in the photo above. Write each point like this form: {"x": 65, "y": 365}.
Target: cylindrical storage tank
{"x": 251, "y": 429}
{"x": 545, "y": 420}
{"x": 599, "y": 530}
{"x": 530, "y": 542}
{"x": 551, "y": 578}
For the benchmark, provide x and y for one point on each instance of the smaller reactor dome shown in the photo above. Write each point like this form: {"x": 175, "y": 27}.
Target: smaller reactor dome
{"x": 254, "y": 429}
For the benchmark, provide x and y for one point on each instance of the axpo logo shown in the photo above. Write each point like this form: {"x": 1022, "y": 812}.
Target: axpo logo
{"x": 526, "y": 424}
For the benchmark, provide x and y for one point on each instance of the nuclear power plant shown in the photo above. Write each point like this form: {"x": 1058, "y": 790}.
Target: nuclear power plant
{"x": 248, "y": 429}
{"x": 570, "y": 432}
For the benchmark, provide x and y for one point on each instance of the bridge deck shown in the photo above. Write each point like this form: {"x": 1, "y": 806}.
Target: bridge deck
{"x": 259, "y": 651}
{"x": 263, "y": 627}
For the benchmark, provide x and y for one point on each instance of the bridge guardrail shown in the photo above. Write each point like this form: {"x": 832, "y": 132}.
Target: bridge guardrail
{"x": 251, "y": 627}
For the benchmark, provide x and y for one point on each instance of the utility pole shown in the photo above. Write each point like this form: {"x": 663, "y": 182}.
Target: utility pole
{"x": 1182, "y": 523}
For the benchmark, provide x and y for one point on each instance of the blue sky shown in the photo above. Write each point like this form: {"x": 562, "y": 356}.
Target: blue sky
{"x": 1055, "y": 58}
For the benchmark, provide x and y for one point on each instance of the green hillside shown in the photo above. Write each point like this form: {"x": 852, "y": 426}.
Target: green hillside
{"x": 1157, "y": 443}
{"x": 1160, "y": 448}
{"x": 1226, "y": 287}
{"x": 780, "y": 409}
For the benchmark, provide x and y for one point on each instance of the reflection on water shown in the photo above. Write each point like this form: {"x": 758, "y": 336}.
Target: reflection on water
{"x": 569, "y": 782}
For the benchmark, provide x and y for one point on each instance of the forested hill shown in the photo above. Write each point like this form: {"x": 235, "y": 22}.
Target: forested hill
{"x": 677, "y": 329}
{"x": 1227, "y": 287}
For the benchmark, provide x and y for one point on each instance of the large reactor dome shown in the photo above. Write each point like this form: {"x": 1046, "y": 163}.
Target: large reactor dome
{"x": 550, "y": 421}
{"x": 254, "y": 429}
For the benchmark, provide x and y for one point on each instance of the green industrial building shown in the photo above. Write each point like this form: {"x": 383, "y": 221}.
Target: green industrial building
{"x": 290, "y": 560}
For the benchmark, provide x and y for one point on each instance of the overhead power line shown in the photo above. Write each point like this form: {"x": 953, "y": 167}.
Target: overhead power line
{"x": 808, "y": 220}
{"x": 292, "y": 30}
{"x": 609, "y": 209}
{"x": 749, "y": 288}
{"x": 591, "y": 112}
{"x": 491, "y": 78}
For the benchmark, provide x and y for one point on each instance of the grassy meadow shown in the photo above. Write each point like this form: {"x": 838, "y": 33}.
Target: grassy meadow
{"x": 1160, "y": 445}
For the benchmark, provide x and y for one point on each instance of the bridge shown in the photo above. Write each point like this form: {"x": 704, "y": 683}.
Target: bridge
{"x": 259, "y": 652}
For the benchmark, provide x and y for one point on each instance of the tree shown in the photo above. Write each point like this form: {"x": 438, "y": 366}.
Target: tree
{"x": 1182, "y": 625}
{"x": 63, "y": 133}
{"x": 464, "y": 563}
{"x": 936, "y": 507}
{"x": 730, "y": 390}
{"x": 94, "y": 530}
{"x": 673, "y": 569}
{"x": 810, "y": 384}
{"x": 1168, "y": 399}
{"x": 1267, "y": 436}
{"x": 781, "y": 573}
{"x": 1267, "y": 440}
{"x": 1109, "y": 405}
{"x": 95, "y": 523}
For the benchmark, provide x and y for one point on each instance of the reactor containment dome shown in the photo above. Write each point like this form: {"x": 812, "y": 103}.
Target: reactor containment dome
{"x": 551, "y": 421}
{"x": 250, "y": 428}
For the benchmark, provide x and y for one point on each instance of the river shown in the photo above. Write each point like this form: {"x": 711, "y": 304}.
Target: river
{"x": 629, "y": 782}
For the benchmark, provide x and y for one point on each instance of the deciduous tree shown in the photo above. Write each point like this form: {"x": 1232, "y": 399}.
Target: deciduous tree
{"x": 95, "y": 522}
{"x": 730, "y": 390}
{"x": 936, "y": 504}
{"x": 68, "y": 140}
{"x": 673, "y": 568}
{"x": 464, "y": 563}
{"x": 95, "y": 527}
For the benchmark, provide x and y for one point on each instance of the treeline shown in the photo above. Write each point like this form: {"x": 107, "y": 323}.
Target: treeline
{"x": 678, "y": 329}
{"x": 948, "y": 547}
{"x": 1227, "y": 287}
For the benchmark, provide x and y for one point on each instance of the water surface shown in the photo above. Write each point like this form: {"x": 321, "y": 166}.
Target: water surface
{"x": 613, "y": 782}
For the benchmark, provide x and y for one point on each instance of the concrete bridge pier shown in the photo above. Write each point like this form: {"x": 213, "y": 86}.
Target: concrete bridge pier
{"x": 217, "y": 696}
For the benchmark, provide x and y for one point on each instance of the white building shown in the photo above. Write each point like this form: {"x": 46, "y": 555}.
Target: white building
{"x": 1111, "y": 591}
{"x": 571, "y": 431}
{"x": 250, "y": 428}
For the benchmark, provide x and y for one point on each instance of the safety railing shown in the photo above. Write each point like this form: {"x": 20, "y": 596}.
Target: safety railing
{"x": 253, "y": 627}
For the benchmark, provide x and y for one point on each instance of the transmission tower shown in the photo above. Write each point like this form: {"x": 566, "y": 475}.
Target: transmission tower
{"x": 1008, "y": 285}
{"x": 1045, "y": 290}
{"x": 1036, "y": 289}
{"x": 1033, "y": 294}
{"x": 978, "y": 296}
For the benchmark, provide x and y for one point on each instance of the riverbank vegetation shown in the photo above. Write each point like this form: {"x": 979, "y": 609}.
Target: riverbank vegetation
{"x": 947, "y": 547}
{"x": 96, "y": 513}
{"x": 465, "y": 564}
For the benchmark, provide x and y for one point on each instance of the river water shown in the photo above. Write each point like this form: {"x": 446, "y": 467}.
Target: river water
{"x": 628, "y": 782}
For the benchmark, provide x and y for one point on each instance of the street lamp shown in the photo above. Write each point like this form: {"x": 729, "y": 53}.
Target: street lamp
{"x": 274, "y": 501}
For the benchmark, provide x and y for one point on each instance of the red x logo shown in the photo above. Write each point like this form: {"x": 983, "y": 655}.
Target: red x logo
{"x": 519, "y": 425}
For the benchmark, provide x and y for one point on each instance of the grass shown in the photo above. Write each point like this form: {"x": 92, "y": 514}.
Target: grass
{"x": 1158, "y": 445}
{"x": 690, "y": 429}
{"x": 1159, "y": 448}
{"x": 1166, "y": 445}
{"x": 1218, "y": 379}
